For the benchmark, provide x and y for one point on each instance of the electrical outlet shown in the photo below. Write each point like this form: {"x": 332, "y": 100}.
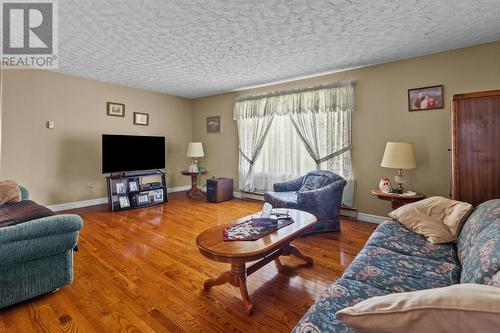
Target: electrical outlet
{"x": 51, "y": 124}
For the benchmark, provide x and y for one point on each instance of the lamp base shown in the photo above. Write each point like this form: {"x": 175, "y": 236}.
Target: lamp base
{"x": 194, "y": 167}
{"x": 400, "y": 180}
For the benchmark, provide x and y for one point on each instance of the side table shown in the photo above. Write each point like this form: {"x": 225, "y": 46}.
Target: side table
{"x": 397, "y": 200}
{"x": 194, "y": 180}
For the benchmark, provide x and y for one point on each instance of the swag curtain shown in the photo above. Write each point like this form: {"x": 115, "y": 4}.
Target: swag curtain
{"x": 285, "y": 126}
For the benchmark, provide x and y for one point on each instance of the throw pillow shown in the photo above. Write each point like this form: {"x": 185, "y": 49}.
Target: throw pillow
{"x": 436, "y": 218}
{"x": 9, "y": 192}
{"x": 314, "y": 182}
{"x": 458, "y": 308}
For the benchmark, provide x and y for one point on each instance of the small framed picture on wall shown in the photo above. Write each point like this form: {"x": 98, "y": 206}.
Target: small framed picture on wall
{"x": 141, "y": 118}
{"x": 425, "y": 98}
{"x": 115, "y": 109}
{"x": 213, "y": 124}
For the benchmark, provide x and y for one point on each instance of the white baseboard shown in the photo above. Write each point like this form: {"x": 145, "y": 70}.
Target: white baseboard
{"x": 100, "y": 201}
{"x": 78, "y": 204}
{"x": 179, "y": 189}
{"x": 371, "y": 218}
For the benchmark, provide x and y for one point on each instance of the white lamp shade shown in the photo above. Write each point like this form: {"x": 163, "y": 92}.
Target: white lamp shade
{"x": 195, "y": 149}
{"x": 399, "y": 155}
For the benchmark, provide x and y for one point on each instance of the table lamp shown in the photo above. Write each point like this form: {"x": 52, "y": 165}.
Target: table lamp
{"x": 399, "y": 155}
{"x": 195, "y": 149}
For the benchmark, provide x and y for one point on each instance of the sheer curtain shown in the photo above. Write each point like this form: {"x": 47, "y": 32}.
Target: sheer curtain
{"x": 306, "y": 129}
{"x": 283, "y": 157}
{"x": 254, "y": 119}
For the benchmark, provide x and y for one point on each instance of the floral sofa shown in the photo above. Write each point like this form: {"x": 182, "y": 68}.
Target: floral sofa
{"x": 397, "y": 260}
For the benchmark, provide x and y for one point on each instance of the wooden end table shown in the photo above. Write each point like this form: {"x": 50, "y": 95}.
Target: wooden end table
{"x": 397, "y": 200}
{"x": 266, "y": 249}
{"x": 194, "y": 180}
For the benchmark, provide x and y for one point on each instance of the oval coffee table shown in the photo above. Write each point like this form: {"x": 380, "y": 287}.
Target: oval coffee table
{"x": 266, "y": 249}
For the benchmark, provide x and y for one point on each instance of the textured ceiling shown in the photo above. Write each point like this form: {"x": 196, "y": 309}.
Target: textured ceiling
{"x": 200, "y": 48}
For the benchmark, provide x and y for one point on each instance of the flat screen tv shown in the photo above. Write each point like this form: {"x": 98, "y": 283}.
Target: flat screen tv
{"x": 121, "y": 153}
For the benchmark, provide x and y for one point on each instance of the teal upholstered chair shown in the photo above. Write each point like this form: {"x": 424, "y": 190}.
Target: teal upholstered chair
{"x": 36, "y": 257}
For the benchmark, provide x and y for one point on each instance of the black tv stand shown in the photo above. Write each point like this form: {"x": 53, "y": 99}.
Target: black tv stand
{"x": 126, "y": 190}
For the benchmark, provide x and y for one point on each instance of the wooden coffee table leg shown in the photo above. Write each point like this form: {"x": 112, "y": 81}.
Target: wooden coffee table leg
{"x": 292, "y": 250}
{"x": 237, "y": 277}
{"x": 244, "y": 295}
{"x": 239, "y": 270}
{"x": 226, "y": 277}
{"x": 279, "y": 266}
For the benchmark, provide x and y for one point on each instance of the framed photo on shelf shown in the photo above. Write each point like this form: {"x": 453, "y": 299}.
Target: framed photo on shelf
{"x": 425, "y": 98}
{"x": 142, "y": 198}
{"x": 133, "y": 184}
{"x": 115, "y": 109}
{"x": 121, "y": 187}
{"x": 123, "y": 201}
{"x": 157, "y": 196}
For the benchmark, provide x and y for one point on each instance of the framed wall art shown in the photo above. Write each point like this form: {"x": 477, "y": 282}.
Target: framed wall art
{"x": 115, "y": 109}
{"x": 213, "y": 124}
{"x": 141, "y": 118}
{"x": 425, "y": 98}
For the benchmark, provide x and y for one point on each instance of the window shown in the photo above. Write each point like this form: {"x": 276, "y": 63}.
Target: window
{"x": 285, "y": 135}
{"x": 283, "y": 156}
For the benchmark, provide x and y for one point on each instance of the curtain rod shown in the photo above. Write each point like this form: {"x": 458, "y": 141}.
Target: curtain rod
{"x": 296, "y": 90}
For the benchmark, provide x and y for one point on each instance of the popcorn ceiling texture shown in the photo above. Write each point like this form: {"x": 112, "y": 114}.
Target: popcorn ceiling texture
{"x": 201, "y": 48}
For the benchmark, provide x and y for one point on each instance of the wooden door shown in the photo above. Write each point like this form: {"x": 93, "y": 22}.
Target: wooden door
{"x": 475, "y": 122}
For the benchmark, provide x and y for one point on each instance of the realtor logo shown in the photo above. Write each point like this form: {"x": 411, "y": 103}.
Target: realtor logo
{"x": 29, "y": 33}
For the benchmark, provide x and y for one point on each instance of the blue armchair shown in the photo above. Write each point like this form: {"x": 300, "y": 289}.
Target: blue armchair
{"x": 36, "y": 257}
{"x": 318, "y": 192}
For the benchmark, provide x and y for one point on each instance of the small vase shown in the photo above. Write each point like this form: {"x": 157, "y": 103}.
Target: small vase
{"x": 385, "y": 185}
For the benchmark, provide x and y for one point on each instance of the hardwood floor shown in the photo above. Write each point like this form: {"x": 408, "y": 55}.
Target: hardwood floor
{"x": 140, "y": 271}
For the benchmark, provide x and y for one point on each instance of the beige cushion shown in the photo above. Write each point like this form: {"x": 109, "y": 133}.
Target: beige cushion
{"x": 459, "y": 308}
{"x": 9, "y": 192}
{"x": 438, "y": 219}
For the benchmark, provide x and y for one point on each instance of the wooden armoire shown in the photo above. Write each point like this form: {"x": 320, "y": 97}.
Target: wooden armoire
{"x": 475, "y": 167}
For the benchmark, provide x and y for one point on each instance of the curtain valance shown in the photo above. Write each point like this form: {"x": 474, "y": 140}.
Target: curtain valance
{"x": 328, "y": 98}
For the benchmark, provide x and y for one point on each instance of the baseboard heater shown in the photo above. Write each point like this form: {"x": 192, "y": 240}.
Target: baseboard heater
{"x": 252, "y": 196}
{"x": 349, "y": 212}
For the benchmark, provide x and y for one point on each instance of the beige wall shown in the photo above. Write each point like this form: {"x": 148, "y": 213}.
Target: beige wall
{"x": 57, "y": 164}
{"x": 381, "y": 114}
